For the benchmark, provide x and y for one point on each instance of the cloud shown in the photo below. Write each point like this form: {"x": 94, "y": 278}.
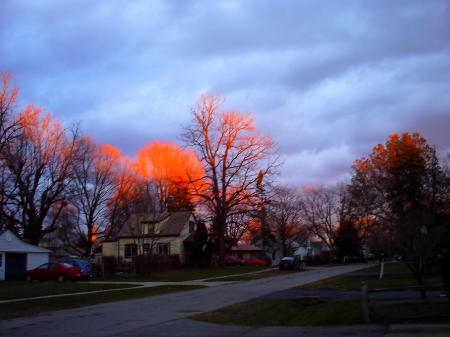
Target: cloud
{"x": 328, "y": 81}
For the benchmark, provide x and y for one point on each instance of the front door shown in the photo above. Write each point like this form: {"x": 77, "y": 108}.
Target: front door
{"x": 15, "y": 265}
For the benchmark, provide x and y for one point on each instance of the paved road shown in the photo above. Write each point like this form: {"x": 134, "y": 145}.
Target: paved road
{"x": 149, "y": 316}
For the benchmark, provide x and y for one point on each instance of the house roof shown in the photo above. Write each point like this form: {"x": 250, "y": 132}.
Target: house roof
{"x": 246, "y": 247}
{"x": 9, "y": 242}
{"x": 171, "y": 224}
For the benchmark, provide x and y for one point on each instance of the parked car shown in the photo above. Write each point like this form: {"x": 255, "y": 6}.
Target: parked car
{"x": 86, "y": 269}
{"x": 265, "y": 258}
{"x": 253, "y": 261}
{"x": 58, "y": 271}
{"x": 232, "y": 260}
{"x": 290, "y": 263}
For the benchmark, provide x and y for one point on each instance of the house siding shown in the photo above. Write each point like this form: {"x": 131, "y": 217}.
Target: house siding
{"x": 117, "y": 248}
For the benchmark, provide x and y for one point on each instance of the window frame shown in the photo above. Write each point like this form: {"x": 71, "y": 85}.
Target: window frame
{"x": 162, "y": 251}
{"x": 129, "y": 249}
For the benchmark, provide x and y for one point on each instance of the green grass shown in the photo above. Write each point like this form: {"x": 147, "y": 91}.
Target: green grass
{"x": 393, "y": 282}
{"x": 185, "y": 274}
{"x": 391, "y": 267}
{"x": 418, "y": 311}
{"x": 249, "y": 277}
{"x": 29, "y": 307}
{"x": 286, "y": 312}
{"x": 292, "y": 312}
{"x": 13, "y": 290}
{"x": 315, "y": 312}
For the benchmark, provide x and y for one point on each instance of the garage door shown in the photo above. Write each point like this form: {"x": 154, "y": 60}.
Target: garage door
{"x": 15, "y": 265}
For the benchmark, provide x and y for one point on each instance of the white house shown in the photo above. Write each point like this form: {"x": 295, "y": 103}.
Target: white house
{"x": 17, "y": 256}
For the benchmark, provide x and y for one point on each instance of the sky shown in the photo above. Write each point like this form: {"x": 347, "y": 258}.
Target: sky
{"x": 327, "y": 80}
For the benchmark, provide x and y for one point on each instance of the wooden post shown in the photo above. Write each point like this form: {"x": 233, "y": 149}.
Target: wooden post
{"x": 365, "y": 302}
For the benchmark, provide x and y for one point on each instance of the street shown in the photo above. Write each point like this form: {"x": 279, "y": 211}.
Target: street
{"x": 139, "y": 317}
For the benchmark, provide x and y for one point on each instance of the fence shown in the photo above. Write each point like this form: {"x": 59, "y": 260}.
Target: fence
{"x": 143, "y": 264}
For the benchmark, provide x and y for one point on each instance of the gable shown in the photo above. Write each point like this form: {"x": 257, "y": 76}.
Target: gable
{"x": 9, "y": 242}
{"x": 165, "y": 224}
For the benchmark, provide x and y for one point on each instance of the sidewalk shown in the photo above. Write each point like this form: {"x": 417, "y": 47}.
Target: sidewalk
{"x": 200, "y": 282}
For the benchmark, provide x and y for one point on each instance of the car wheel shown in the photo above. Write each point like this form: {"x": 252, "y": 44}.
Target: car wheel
{"x": 61, "y": 278}
{"x": 29, "y": 278}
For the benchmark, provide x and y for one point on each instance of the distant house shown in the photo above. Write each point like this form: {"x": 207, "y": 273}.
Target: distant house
{"x": 295, "y": 247}
{"x": 17, "y": 256}
{"x": 153, "y": 234}
{"x": 245, "y": 251}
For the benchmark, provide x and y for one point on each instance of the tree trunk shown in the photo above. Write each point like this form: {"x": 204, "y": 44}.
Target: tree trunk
{"x": 419, "y": 278}
{"x": 221, "y": 225}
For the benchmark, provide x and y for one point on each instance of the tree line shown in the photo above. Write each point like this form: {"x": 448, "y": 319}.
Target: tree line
{"x": 57, "y": 183}
{"x": 60, "y": 186}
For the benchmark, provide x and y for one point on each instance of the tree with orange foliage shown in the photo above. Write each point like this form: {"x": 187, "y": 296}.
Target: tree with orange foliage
{"x": 37, "y": 174}
{"x": 174, "y": 172}
{"x": 233, "y": 154}
{"x": 402, "y": 184}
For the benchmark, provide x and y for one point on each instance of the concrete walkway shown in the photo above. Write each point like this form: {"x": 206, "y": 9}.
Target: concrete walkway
{"x": 138, "y": 285}
{"x": 207, "y": 282}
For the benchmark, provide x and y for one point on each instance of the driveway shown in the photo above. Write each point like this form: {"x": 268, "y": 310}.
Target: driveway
{"x": 148, "y": 316}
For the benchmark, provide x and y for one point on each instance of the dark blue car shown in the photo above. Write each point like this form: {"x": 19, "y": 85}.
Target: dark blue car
{"x": 86, "y": 269}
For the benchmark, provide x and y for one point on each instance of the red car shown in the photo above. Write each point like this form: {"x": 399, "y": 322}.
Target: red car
{"x": 253, "y": 261}
{"x": 231, "y": 260}
{"x": 58, "y": 271}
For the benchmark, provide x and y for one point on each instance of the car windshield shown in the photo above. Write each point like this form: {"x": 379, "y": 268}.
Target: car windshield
{"x": 287, "y": 259}
{"x": 67, "y": 265}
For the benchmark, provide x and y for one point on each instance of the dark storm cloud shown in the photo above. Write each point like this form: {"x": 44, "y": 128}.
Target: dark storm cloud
{"x": 327, "y": 79}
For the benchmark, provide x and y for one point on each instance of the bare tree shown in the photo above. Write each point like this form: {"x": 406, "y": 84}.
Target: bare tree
{"x": 37, "y": 174}
{"x": 284, "y": 214}
{"x": 9, "y": 125}
{"x": 95, "y": 185}
{"x": 233, "y": 154}
{"x": 323, "y": 209}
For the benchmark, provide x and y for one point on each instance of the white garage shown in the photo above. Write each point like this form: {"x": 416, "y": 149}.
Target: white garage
{"x": 17, "y": 256}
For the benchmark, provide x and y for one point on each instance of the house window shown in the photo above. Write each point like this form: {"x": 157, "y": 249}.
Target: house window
{"x": 191, "y": 227}
{"x": 163, "y": 248}
{"x": 151, "y": 228}
{"x": 130, "y": 250}
{"x": 146, "y": 248}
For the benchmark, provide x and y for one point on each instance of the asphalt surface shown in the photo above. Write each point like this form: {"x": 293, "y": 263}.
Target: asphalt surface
{"x": 165, "y": 315}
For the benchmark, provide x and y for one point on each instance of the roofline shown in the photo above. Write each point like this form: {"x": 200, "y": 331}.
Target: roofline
{"x": 43, "y": 250}
{"x": 143, "y": 237}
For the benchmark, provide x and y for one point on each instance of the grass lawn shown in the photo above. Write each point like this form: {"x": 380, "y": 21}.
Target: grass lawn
{"x": 295, "y": 312}
{"x": 249, "y": 277}
{"x": 390, "y": 267}
{"x": 184, "y": 274}
{"x": 286, "y": 312}
{"x": 402, "y": 280}
{"x": 28, "y": 307}
{"x": 312, "y": 311}
{"x": 416, "y": 311}
{"x": 13, "y": 290}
